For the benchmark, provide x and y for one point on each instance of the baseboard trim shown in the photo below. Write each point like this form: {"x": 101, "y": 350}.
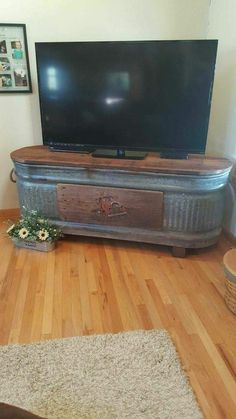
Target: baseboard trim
{"x": 6, "y": 214}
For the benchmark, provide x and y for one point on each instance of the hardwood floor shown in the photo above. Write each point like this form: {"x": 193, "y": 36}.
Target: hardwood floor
{"x": 92, "y": 286}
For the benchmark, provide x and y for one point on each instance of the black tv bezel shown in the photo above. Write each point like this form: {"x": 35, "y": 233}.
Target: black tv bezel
{"x": 73, "y": 147}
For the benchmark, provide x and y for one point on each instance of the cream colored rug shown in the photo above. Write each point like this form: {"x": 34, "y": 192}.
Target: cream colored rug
{"x": 130, "y": 375}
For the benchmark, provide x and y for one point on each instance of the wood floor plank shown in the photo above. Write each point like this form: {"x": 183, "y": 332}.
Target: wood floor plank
{"x": 48, "y": 296}
{"x": 85, "y": 296}
{"x": 57, "y": 320}
{"x": 67, "y": 291}
{"x": 124, "y": 302}
{"x": 21, "y": 269}
{"x": 90, "y": 285}
{"x": 112, "y": 321}
{"x": 142, "y": 275}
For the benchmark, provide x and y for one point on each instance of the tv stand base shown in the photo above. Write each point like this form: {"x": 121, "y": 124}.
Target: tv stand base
{"x": 178, "y": 203}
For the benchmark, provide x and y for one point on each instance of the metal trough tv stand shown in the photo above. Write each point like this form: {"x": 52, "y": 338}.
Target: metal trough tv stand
{"x": 178, "y": 203}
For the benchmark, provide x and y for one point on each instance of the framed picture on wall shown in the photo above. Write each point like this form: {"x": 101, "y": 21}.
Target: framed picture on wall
{"x": 14, "y": 59}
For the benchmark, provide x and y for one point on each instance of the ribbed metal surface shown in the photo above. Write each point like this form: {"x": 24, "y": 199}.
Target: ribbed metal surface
{"x": 120, "y": 178}
{"x": 38, "y": 196}
{"x": 193, "y": 213}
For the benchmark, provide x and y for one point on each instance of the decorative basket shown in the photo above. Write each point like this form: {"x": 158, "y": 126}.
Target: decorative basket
{"x": 46, "y": 246}
{"x": 230, "y": 281}
{"x": 230, "y": 295}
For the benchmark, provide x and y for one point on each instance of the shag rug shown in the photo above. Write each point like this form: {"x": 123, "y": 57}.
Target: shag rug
{"x": 130, "y": 375}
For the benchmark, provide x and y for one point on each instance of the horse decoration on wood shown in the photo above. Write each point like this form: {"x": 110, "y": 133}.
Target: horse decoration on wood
{"x": 108, "y": 207}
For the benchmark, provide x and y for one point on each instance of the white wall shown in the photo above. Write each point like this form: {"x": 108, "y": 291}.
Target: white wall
{"x": 222, "y": 128}
{"x": 64, "y": 20}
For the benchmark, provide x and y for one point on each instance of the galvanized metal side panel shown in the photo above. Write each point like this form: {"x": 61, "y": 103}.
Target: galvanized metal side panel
{"x": 193, "y": 204}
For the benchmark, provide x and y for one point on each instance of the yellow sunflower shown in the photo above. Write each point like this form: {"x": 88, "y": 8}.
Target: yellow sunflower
{"x": 43, "y": 234}
{"x": 23, "y": 233}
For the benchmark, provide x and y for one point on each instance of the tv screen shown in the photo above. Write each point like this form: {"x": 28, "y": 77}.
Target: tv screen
{"x": 137, "y": 95}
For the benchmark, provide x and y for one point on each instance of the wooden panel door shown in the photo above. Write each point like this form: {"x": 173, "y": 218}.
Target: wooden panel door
{"x": 110, "y": 206}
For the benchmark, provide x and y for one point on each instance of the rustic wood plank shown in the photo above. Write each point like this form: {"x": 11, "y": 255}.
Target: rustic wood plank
{"x": 110, "y": 206}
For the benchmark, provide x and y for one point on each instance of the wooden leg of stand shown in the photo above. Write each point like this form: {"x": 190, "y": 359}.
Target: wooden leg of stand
{"x": 178, "y": 252}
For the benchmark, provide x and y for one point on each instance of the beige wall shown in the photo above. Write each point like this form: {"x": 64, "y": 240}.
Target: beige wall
{"x": 63, "y": 20}
{"x": 222, "y": 128}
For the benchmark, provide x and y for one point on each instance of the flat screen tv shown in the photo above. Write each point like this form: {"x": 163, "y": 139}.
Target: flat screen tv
{"x": 126, "y": 95}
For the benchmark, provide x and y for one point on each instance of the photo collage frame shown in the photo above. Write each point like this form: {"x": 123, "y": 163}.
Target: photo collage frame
{"x": 14, "y": 60}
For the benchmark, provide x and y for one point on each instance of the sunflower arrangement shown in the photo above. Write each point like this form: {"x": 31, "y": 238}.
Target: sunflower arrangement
{"x": 32, "y": 226}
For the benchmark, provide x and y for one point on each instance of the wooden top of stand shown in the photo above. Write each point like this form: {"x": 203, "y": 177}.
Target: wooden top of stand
{"x": 195, "y": 164}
